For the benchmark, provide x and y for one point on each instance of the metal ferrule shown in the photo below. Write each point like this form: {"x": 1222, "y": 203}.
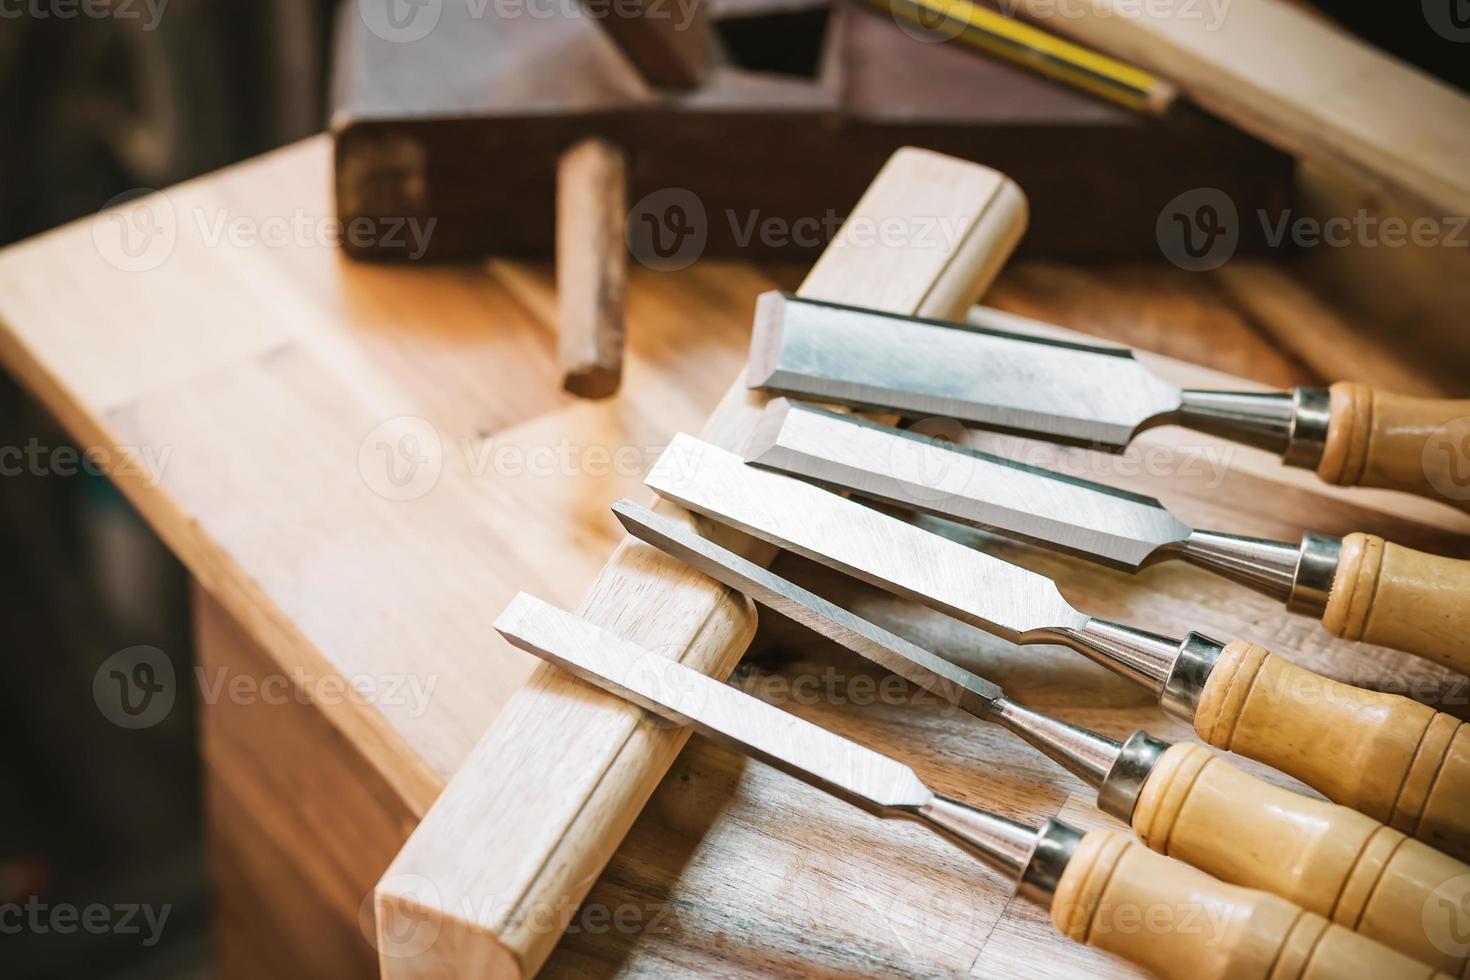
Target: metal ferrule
{"x": 1086, "y": 755}
{"x": 1004, "y": 845}
{"x": 1118, "y": 795}
{"x": 1292, "y": 423}
{"x": 1299, "y": 575}
{"x": 1055, "y": 845}
{"x": 1175, "y": 670}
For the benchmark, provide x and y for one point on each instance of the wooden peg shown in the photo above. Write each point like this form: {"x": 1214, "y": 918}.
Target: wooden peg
{"x": 1378, "y": 439}
{"x": 1179, "y": 923}
{"x": 1198, "y": 807}
{"x": 1400, "y": 762}
{"x": 591, "y": 266}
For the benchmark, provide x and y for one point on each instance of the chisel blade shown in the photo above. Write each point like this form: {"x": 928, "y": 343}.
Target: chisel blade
{"x": 1001, "y": 598}
{"x": 1099, "y": 522}
{"x": 908, "y": 660}
{"x": 1061, "y": 391}
{"x": 686, "y": 697}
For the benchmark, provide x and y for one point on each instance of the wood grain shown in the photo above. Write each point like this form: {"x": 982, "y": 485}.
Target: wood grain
{"x": 1381, "y": 754}
{"x": 263, "y": 500}
{"x": 1379, "y": 439}
{"x": 582, "y": 755}
{"x": 1299, "y": 83}
{"x": 591, "y": 266}
{"x": 1395, "y": 596}
{"x": 1118, "y": 896}
{"x": 1335, "y": 862}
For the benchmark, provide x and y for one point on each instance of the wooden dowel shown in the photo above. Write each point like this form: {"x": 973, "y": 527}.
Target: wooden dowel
{"x": 591, "y": 267}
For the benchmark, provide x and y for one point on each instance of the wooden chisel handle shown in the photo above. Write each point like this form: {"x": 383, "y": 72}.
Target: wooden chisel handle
{"x": 1401, "y": 598}
{"x": 1400, "y": 762}
{"x": 1178, "y": 922}
{"x": 1338, "y": 863}
{"x": 1378, "y": 439}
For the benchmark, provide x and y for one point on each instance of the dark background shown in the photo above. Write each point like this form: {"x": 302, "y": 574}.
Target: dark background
{"x": 91, "y": 812}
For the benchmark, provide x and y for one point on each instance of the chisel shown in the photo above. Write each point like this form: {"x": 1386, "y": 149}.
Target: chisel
{"x": 1182, "y": 800}
{"x": 1400, "y": 762}
{"x": 1361, "y": 586}
{"x": 1098, "y": 396}
{"x": 1196, "y": 927}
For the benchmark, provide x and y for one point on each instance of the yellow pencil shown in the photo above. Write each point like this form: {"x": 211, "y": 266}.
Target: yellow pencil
{"x": 987, "y": 30}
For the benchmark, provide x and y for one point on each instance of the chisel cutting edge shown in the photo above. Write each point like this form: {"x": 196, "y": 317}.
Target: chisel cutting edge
{"x": 1182, "y": 800}
{"x": 1394, "y": 759}
{"x": 1085, "y": 880}
{"x": 1362, "y": 587}
{"x": 1096, "y": 396}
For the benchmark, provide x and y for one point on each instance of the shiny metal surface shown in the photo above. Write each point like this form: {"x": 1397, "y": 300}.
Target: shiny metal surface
{"x": 999, "y": 597}
{"x": 1309, "y": 427}
{"x": 996, "y": 596}
{"x": 1055, "y": 845}
{"x": 1085, "y": 754}
{"x": 1065, "y": 391}
{"x": 1196, "y": 658}
{"x": 836, "y": 765}
{"x": 1266, "y": 566}
{"x": 1257, "y": 419}
{"x": 908, "y": 660}
{"x": 686, "y": 697}
{"x": 1120, "y": 529}
{"x": 1316, "y": 569}
{"x": 1118, "y": 794}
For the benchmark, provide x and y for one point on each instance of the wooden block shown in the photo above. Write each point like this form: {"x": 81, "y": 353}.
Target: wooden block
{"x": 1298, "y": 82}
{"x": 591, "y": 266}
{"x": 523, "y": 830}
{"x": 666, "y": 42}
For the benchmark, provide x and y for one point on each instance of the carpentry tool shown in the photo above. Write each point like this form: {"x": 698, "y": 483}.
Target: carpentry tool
{"x": 1086, "y": 880}
{"x": 1030, "y": 47}
{"x": 1361, "y": 586}
{"x": 1097, "y": 396}
{"x": 1394, "y": 759}
{"x": 1182, "y": 800}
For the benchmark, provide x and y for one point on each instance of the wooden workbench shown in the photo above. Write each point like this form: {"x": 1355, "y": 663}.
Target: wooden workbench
{"x": 280, "y": 382}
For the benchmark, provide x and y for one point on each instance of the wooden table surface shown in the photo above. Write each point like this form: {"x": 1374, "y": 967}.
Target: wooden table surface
{"x": 361, "y": 464}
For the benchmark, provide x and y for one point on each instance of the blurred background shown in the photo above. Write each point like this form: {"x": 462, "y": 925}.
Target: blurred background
{"x": 94, "y": 107}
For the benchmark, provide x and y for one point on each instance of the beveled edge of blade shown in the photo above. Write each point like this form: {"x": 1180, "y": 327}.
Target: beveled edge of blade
{"x": 935, "y": 674}
{"x": 766, "y": 450}
{"x": 525, "y": 615}
{"x": 664, "y": 476}
{"x": 765, "y": 338}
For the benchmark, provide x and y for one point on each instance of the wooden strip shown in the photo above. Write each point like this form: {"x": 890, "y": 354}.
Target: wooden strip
{"x": 502, "y": 860}
{"x": 1298, "y": 83}
{"x": 591, "y": 266}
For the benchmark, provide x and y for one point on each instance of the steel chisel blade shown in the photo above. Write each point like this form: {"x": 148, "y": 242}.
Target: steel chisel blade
{"x": 1121, "y": 529}
{"x": 686, "y": 697}
{"x": 908, "y": 660}
{"x": 1063, "y": 391}
{"x": 995, "y": 595}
